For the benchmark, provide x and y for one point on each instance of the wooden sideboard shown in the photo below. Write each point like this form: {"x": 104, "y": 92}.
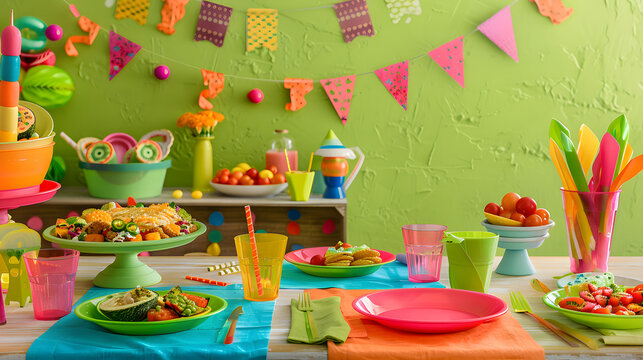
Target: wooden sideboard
{"x": 321, "y": 222}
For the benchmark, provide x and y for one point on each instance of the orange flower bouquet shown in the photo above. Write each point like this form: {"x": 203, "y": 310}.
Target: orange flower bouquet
{"x": 201, "y": 124}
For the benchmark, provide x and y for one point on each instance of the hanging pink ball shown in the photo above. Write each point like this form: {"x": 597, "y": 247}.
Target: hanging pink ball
{"x": 162, "y": 72}
{"x": 255, "y": 95}
{"x": 54, "y": 32}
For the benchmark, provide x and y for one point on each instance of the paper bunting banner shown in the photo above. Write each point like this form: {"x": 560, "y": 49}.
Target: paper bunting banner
{"x": 354, "y": 19}
{"x": 396, "y": 80}
{"x": 298, "y": 89}
{"x": 449, "y": 57}
{"x": 340, "y": 93}
{"x": 87, "y": 26}
{"x": 121, "y": 52}
{"x": 555, "y": 10}
{"x": 171, "y": 13}
{"x": 214, "y": 81}
{"x": 213, "y": 23}
{"x": 261, "y": 29}
{"x": 133, "y": 9}
{"x": 399, "y": 8}
{"x": 499, "y": 29}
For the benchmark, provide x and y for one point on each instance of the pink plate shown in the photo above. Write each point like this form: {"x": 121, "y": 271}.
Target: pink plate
{"x": 121, "y": 143}
{"x": 428, "y": 310}
{"x": 45, "y": 191}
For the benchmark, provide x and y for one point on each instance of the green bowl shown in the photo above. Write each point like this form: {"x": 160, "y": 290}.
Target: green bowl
{"x": 88, "y": 310}
{"x": 127, "y": 271}
{"x": 119, "y": 181}
{"x": 602, "y": 321}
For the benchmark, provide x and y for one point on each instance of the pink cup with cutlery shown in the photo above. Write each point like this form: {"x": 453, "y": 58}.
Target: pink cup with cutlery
{"x": 52, "y": 274}
{"x": 423, "y": 244}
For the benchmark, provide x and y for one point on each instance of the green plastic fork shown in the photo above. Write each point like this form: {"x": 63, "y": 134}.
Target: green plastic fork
{"x": 520, "y": 305}
{"x": 306, "y": 306}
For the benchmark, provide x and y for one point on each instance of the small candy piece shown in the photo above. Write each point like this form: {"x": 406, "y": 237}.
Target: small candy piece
{"x": 54, "y": 32}
{"x": 196, "y": 194}
{"x": 255, "y": 96}
{"x": 162, "y": 72}
{"x": 177, "y": 194}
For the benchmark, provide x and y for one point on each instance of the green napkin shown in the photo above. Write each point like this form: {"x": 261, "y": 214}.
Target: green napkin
{"x": 328, "y": 317}
{"x": 622, "y": 337}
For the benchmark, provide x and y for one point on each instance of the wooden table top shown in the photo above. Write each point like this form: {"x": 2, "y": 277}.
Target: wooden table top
{"x": 22, "y": 329}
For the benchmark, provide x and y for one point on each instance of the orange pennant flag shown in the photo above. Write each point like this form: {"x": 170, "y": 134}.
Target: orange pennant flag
{"x": 214, "y": 81}
{"x": 87, "y": 26}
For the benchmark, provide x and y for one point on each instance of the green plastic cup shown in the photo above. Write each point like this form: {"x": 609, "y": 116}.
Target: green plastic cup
{"x": 299, "y": 184}
{"x": 471, "y": 255}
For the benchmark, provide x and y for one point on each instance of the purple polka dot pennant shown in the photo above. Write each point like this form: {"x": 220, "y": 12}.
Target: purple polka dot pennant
{"x": 121, "y": 52}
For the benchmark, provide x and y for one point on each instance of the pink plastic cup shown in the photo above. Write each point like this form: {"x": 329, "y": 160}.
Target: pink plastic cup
{"x": 423, "y": 243}
{"x": 52, "y": 273}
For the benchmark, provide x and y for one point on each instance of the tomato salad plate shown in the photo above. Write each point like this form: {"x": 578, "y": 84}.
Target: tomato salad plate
{"x": 302, "y": 260}
{"x": 144, "y": 311}
{"x": 429, "y": 310}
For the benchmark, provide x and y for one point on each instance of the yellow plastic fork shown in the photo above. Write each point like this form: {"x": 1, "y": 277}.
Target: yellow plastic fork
{"x": 306, "y": 306}
{"x": 520, "y": 305}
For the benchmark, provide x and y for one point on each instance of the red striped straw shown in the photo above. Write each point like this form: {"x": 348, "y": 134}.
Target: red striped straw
{"x": 207, "y": 281}
{"x": 253, "y": 246}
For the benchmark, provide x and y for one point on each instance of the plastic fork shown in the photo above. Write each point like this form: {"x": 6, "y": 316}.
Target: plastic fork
{"x": 520, "y": 305}
{"x": 306, "y": 306}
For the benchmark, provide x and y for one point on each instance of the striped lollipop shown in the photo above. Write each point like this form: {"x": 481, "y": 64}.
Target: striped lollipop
{"x": 9, "y": 87}
{"x": 253, "y": 247}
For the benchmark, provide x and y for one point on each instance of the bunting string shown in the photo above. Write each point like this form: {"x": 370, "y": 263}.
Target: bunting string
{"x": 104, "y": 31}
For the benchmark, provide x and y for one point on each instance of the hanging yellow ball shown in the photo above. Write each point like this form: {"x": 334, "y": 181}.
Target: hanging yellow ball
{"x": 214, "y": 249}
{"x": 197, "y": 194}
{"x": 177, "y": 194}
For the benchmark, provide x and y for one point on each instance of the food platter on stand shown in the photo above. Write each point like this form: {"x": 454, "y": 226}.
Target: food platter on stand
{"x": 127, "y": 271}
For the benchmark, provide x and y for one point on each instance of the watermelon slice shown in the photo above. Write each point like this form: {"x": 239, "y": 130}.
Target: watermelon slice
{"x": 26, "y": 123}
{"x": 148, "y": 151}
{"x": 101, "y": 152}
{"x": 163, "y": 137}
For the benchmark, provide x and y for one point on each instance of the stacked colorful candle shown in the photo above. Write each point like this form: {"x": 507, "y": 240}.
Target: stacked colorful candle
{"x": 9, "y": 87}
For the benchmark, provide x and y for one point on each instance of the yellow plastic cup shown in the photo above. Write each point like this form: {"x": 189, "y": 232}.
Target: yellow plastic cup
{"x": 299, "y": 184}
{"x": 271, "y": 249}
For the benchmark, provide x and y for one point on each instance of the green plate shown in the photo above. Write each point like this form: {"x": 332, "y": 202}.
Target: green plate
{"x": 127, "y": 271}
{"x": 603, "y": 321}
{"x": 301, "y": 259}
{"x": 88, "y": 310}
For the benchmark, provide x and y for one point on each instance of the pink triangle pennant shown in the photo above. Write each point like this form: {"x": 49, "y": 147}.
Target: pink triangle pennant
{"x": 340, "y": 93}
{"x": 121, "y": 51}
{"x": 449, "y": 57}
{"x": 499, "y": 29}
{"x": 396, "y": 80}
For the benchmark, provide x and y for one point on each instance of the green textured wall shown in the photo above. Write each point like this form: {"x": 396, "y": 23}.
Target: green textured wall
{"x": 439, "y": 162}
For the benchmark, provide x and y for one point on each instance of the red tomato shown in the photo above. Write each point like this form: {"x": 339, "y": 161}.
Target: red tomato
{"x": 492, "y": 208}
{"x": 263, "y": 181}
{"x": 233, "y": 181}
{"x": 637, "y": 296}
{"x": 518, "y": 217}
{"x": 161, "y": 315}
{"x": 317, "y": 260}
{"x": 601, "y": 310}
{"x": 223, "y": 179}
{"x": 607, "y": 291}
{"x": 614, "y": 301}
{"x": 279, "y": 179}
{"x": 252, "y": 172}
{"x": 505, "y": 214}
{"x": 587, "y": 296}
{"x": 246, "y": 180}
{"x": 218, "y": 173}
{"x": 544, "y": 214}
{"x": 224, "y": 172}
{"x": 215, "y": 180}
{"x": 273, "y": 169}
{"x": 571, "y": 303}
{"x": 601, "y": 300}
{"x": 346, "y": 245}
{"x": 588, "y": 306}
{"x": 509, "y": 201}
{"x": 591, "y": 287}
{"x": 638, "y": 287}
{"x": 237, "y": 175}
{"x": 533, "y": 220}
{"x": 526, "y": 206}
{"x": 626, "y": 299}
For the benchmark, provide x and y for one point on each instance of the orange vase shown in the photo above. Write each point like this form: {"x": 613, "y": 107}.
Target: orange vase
{"x": 334, "y": 166}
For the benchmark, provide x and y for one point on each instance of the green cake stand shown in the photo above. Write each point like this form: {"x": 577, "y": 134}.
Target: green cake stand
{"x": 127, "y": 271}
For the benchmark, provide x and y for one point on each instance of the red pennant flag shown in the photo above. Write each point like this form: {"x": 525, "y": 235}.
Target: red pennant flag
{"x": 121, "y": 52}
{"x": 449, "y": 57}
{"x": 214, "y": 81}
{"x": 340, "y": 93}
{"x": 499, "y": 29}
{"x": 396, "y": 80}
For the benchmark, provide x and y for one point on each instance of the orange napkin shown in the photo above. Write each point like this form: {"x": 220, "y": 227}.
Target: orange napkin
{"x": 500, "y": 339}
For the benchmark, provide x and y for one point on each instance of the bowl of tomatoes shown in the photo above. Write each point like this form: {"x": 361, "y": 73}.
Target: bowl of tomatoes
{"x": 517, "y": 217}
{"x": 245, "y": 181}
